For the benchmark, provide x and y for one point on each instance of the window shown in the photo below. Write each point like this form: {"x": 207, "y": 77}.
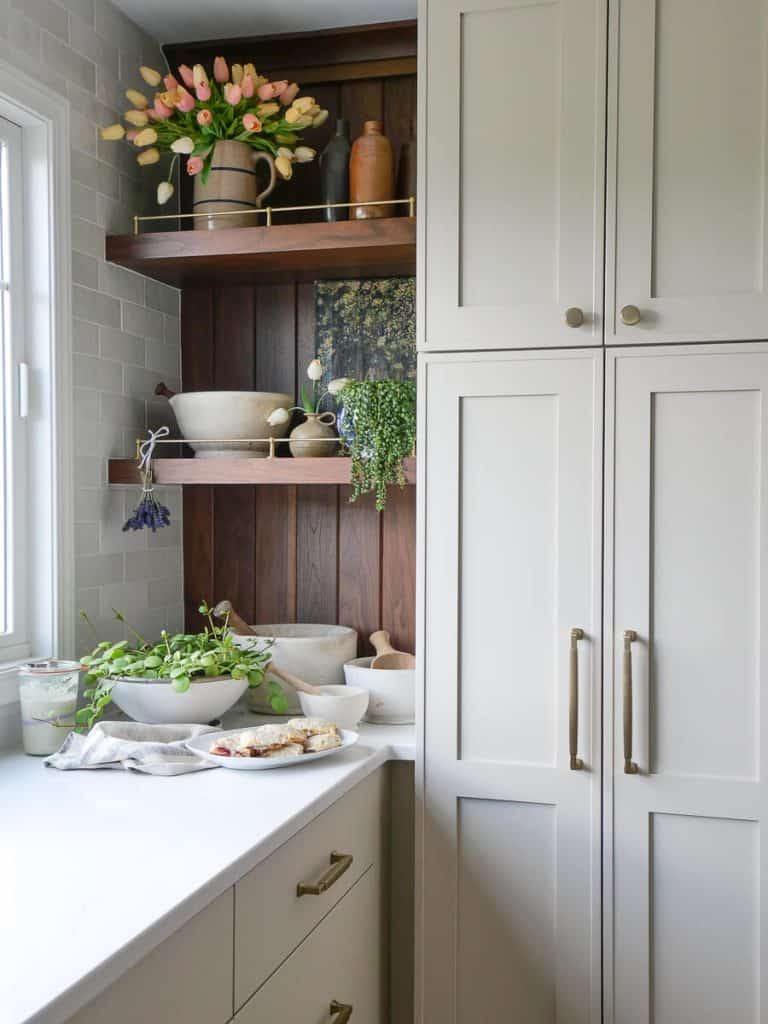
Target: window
{"x": 37, "y": 612}
{"x": 14, "y": 637}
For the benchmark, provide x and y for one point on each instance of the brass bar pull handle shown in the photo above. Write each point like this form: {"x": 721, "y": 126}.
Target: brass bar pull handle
{"x": 573, "y": 702}
{"x": 340, "y": 862}
{"x": 630, "y": 768}
{"x": 340, "y": 1011}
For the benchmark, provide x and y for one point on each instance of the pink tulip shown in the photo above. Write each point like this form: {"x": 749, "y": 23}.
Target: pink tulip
{"x": 247, "y": 86}
{"x": 170, "y": 82}
{"x": 186, "y": 76}
{"x": 194, "y": 165}
{"x": 232, "y": 94}
{"x": 220, "y": 70}
{"x": 267, "y": 91}
{"x": 289, "y": 95}
{"x": 279, "y": 88}
{"x": 185, "y": 102}
{"x": 203, "y": 92}
{"x": 131, "y": 134}
{"x": 151, "y": 114}
{"x": 251, "y": 123}
{"x": 204, "y": 117}
{"x": 161, "y": 110}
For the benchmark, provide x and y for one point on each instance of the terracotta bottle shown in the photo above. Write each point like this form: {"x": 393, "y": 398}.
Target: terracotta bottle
{"x": 371, "y": 172}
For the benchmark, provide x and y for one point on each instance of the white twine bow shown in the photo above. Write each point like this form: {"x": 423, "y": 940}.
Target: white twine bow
{"x": 147, "y": 448}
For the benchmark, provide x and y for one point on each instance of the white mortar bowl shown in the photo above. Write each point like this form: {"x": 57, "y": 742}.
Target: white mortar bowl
{"x": 344, "y": 705}
{"x": 222, "y": 415}
{"x": 157, "y": 703}
{"x": 393, "y": 691}
{"x": 309, "y": 650}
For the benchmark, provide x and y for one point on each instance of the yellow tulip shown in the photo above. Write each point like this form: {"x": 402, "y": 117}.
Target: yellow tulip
{"x": 304, "y": 121}
{"x": 304, "y": 104}
{"x": 113, "y": 132}
{"x": 303, "y": 154}
{"x": 136, "y": 117}
{"x": 237, "y": 73}
{"x": 170, "y": 98}
{"x": 284, "y": 167}
{"x": 146, "y": 137}
{"x": 199, "y": 76}
{"x": 150, "y": 76}
{"x": 292, "y": 115}
{"x": 265, "y": 110}
{"x": 321, "y": 118}
{"x": 138, "y": 99}
{"x": 148, "y": 156}
{"x": 250, "y": 69}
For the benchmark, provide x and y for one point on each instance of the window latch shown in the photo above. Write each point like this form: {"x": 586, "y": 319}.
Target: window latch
{"x": 23, "y": 390}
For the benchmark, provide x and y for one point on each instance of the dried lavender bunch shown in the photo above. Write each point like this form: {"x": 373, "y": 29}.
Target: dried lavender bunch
{"x": 149, "y": 512}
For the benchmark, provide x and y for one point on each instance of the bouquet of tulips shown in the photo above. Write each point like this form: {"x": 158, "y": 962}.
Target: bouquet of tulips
{"x": 187, "y": 117}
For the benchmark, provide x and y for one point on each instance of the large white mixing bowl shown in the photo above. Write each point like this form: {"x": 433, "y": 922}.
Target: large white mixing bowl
{"x": 225, "y": 415}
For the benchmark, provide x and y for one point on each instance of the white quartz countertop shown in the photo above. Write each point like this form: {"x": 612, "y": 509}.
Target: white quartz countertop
{"x": 99, "y": 867}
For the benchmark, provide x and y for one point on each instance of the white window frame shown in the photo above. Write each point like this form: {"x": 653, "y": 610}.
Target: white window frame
{"x": 14, "y": 493}
{"x": 47, "y": 563}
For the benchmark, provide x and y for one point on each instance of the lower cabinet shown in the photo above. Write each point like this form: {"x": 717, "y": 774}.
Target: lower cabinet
{"x": 187, "y": 978}
{"x": 303, "y": 932}
{"x": 336, "y": 974}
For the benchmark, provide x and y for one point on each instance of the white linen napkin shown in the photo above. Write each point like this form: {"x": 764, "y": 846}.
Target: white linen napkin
{"x": 133, "y": 746}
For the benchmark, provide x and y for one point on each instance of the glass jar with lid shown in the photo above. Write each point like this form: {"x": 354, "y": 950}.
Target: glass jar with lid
{"x": 48, "y": 697}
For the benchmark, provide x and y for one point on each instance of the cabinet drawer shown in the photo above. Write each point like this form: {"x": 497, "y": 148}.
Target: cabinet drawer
{"x": 340, "y": 961}
{"x": 271, "y": 919}
{"x": 187, "y": 978}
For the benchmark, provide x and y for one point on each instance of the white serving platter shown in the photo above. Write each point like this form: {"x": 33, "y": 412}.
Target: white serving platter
{"x": 200, "y": 744}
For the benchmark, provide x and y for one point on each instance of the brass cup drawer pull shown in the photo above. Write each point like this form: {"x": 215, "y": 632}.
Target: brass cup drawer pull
{"x": 576, "y": 762}
{"x": 341, "y": 1012}
{"x": 630, "y": 768}
{"x": 340, "y": 862}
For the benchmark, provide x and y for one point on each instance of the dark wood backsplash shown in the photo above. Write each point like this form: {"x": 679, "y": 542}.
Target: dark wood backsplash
{"x": 285, "y": 553}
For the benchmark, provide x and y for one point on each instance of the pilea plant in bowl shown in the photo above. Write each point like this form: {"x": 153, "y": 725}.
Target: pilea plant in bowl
{"x": 377, "y": 423}
{"x": 187, "y": 677}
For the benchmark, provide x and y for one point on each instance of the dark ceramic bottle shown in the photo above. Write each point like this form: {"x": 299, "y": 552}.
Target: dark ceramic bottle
{"x": 371, "y": 172}
{"x": 334, "y": 172}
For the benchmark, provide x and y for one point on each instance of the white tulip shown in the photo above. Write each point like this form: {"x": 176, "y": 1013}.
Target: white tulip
{"x": 338, "y": 384}
{"x": 304, "y": 154}
{"x": 315, "y": 370}
{"x": 277, "y": 417}
{"x": 183, "y": 145}
{"x": 164, "y": 192}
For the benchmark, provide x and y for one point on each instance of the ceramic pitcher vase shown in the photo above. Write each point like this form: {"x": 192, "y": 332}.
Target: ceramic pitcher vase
{"x": 232, "y": 186}
{"x": 371, "y": 172}
{"x": 305, "y": 440}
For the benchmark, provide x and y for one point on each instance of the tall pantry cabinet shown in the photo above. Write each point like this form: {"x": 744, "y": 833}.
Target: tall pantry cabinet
{"x": 593, "y": 533}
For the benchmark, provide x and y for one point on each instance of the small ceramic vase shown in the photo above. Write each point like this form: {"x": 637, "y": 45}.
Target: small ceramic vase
{"x": 371, "y": 172}
{"x": 305, "y": 443}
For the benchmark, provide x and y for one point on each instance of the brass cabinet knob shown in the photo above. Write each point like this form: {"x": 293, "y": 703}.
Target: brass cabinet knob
{"x": 630, "y": 315}
{"x": 574, "y": 316}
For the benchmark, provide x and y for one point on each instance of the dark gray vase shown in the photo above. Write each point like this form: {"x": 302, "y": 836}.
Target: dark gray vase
{"x": 334, "y": 171}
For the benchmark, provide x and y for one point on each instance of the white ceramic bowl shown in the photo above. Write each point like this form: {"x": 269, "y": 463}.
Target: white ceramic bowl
{"x": 148, "y": 700}
{"x": 222, "y": 415}
{"x": 344, "y": 705}
{"x": 310, "y": 651}
{"x": 393, "y": 691}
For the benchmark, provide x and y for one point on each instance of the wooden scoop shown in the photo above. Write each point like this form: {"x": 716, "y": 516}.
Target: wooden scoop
{"x": 386, "y": 655}
{"x": 238, "y": 626}
{"x": 163, "y": 392}
{"x": 294, "y": 681}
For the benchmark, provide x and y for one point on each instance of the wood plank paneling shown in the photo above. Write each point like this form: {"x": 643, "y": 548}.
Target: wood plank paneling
{"x": 398, "y": 558}
{"x": 296, "y": 553}
{"x": 359, "y": 566}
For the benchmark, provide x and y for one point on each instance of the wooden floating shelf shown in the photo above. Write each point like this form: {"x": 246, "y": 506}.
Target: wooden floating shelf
{"x": 334, "y": 470}
{"x": 283, "y": 252}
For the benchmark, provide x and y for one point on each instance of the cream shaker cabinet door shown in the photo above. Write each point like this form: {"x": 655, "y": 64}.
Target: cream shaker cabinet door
{"x": 687, "y": 684}
{"x": 337, "y": 969}
{"x": 512, "y": 139}
{"x": 687, "y": 182}
{"x": 510, "y": 787}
